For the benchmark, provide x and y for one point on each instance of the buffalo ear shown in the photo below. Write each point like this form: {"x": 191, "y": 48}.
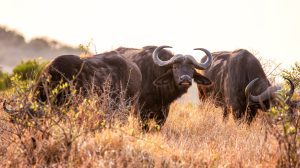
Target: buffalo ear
{"x": 200, "y": 79}
{"x": 164, "y": 79}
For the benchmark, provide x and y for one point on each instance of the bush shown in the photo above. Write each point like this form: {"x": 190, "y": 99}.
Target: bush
{"x": 47, "y": 135}
{"x": 29, "y": 70}
{"x": 26, "y": 70}
{"x": 284, "y": 124}
{"x": 293, "y": 74}
{"x": 4, "y": 80}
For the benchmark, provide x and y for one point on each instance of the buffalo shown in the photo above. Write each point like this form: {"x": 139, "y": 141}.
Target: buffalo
{"x": 165, "y": 77}
{"x": 108, "y": 71}
{"x": 92, "y": 73}
{"x": 237, "y": 76}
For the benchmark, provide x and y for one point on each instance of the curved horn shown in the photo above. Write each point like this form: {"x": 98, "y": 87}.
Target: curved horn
{"x": 291, "y": 91}
{"x": 208, "y": 61}
{"x": 158, "y": 61}
{"x": 249, "y": 87}
{"x": 270, "y": 92}
{"x": 6, "y": 109}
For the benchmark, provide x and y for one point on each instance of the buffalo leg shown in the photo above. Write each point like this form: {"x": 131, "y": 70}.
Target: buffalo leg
{"x": 145, "y": 126}
{"x": 238, "y": 112}
{"x": 145, "y": 116}
{"x": 251, "y": 113}
{"x": 161, "y": 118}
{"x": 225, "y": 114}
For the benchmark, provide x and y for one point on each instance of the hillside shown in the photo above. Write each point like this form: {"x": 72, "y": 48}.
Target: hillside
{"x": 14, "y": 48}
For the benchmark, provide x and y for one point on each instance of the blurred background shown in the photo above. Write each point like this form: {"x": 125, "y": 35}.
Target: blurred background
{"x": 41, "y": 28}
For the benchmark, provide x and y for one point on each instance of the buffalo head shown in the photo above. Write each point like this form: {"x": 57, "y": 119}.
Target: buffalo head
{"x": 269, "y": 95}
{"x": 183, "y": 69}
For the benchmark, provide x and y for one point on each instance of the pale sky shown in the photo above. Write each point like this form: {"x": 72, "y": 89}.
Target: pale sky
{"x": 269, "y": 27}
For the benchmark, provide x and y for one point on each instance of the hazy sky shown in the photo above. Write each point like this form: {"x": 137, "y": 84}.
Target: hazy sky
{"x": 269, "y": 27}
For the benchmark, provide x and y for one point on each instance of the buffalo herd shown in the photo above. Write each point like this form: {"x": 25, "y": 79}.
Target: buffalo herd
{"x": 153, "y": 78}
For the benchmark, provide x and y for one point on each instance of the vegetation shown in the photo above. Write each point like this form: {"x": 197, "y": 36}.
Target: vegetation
{"x": 284, "y": 123}
{"x": 293, "y": 74}
{"x": 29, "y": 70}
{"x": 4, "y": 80}
{"x": 88, "y": 132}
{"x": 26, "y": 71}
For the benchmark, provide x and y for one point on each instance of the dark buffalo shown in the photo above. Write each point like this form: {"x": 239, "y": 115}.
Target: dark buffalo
{"x": 92, "y": 74}
{"x": 236, "y": 77}
{"x": 166, "y": 77}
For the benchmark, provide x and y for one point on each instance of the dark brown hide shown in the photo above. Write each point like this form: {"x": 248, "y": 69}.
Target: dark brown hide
{"x": 91, "y": 73}
{"x": 159, "y": 88}
{"x": 230, "y": 73}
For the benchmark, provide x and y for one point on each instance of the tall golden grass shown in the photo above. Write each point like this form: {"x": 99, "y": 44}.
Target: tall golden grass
{"x": 193, "y": 136}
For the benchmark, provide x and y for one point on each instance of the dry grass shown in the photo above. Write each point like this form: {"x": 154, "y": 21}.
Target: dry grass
{"x": 87, "y": 135}
{"x": 193, "y": 136}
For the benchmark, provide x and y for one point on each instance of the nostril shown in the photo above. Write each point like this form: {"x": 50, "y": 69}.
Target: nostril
{"x": 185, "y": 78}
{"x": 182, "y": 78}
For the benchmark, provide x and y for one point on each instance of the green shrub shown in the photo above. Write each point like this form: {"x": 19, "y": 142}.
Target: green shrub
{"x": 26, "y": 70}
{"x": 4, "y": 80}
{"x": 293, "y": 74}
{"x": 284, "y": 124}
{"x": 29, "y": 70}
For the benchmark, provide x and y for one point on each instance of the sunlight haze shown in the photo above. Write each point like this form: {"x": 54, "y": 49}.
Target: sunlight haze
{"x": 270, "y": 28}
